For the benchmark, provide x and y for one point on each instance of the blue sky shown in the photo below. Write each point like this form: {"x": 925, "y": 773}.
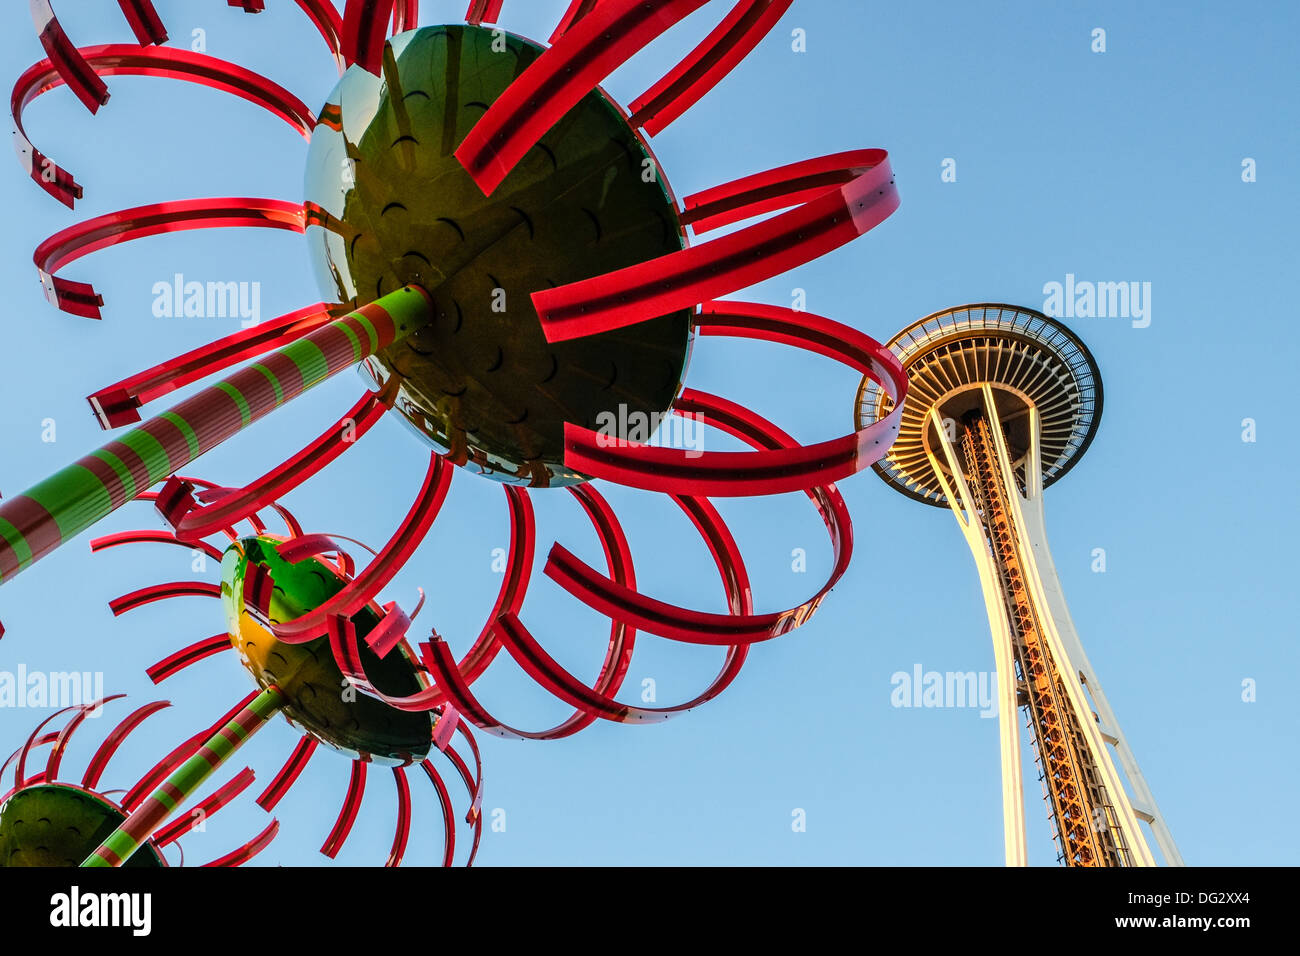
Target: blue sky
{"x": 1123, "y": 165}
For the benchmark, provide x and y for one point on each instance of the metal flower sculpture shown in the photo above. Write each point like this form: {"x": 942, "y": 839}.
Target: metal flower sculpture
{"x": 499, "y": 247}
{"x": 49, "y": 821}
{"x": 267, "y": 579}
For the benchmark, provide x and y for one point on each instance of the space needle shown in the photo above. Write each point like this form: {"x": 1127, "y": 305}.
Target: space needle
{"x": 1003, "y": 402}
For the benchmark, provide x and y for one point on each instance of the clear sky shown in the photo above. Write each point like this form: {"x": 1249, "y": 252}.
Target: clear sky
{"x": 1123, "y": 165}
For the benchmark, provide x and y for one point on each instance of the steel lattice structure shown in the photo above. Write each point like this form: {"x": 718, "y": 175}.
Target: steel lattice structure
{"x": 451, "y": 167}
{"x": 1003, "y": 402}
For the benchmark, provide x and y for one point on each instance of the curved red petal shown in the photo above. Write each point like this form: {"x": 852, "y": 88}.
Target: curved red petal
{"x": 99, "y": 761}
{"x": 204, "y": 809}
{"x": 347, "y": 812}
{"x": 581, "y": 58}
{"x": 835, "y": 199}
{"x": 127, "y": 225}
{"x": 177, "y": 662}
{"x": 483, "y": 11}
{"x": 121, "y": 59}
{"x": 706, "y": 66}
{"x": 241, "y": 855}
{"x": 777, "y": 468}
{"x": 145, "y": 22}
{"x": 380, "y": 571}
{"x": 66, "y": 59}
{"x": 262, "y": 493}
{"x": 115, "y": 405}
{"x": 403, "y": 833}
{"x": 364, "y": 23}
{"x": 289, "y": 773}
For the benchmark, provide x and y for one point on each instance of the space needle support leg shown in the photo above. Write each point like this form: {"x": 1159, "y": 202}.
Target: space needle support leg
{"x": 963, "y": 506}
{"x": 1145, "y": 806}
{"x": 1034, "y": 548}
{"x": 1031, "y": 527}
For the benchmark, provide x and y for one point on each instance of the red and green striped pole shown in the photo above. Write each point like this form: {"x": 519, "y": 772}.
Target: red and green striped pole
{"x": 136, "y": 829}
{"x": 35, "y": 523}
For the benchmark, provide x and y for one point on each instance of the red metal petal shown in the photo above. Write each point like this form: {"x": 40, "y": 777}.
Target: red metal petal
{"x": 99, "y": 762}
{"x": 622, "y": 638}
{"x": 204, "y": 809}
{"x": 291, "y": 523}
{"x": 186, "y": 656}
{"x": 483, "y": 11}
{"x": 146, "y": 536}
{"x": 442, "y": 665}
{"x": 41, "y": 741}
{"x": 241, "y": 855}
{"x": 467, "y": 778}
{"x": 514, "y": 584}
{"x": 152, "y": 497}
{"x": 126, "y": 59}
{"x": 474, "y": 782}
{"x": 67, "y": 59}
{"x": 618, "y": 654}
{"x": 403, "y": 833}
{"x": 698, "y": 627}
{"x": 60, "y": 741}
{"x": 510, "y": 597}
{"x": 145, "y": 22}
{"x": 116, "y": 404}
{"x": 406, "y": 16}
{"x": 391, "y": 629}
{"x": 348, "y": 812}
{"x": 20, "y": 770}
{"x": 576, "y": 11}
{"x": 310, "y": 545}
{"x": 347, "y": 653}
{"x": 126, "y": 225}
{"x": 448, "y": 817}
{"x": 835, "y": 198}
{"x": 342, "y": 634}
{"x": 238, "y": 504}
{"x": 288, "y": 774}
{"x": 733, "y": 40}
{"x": 592, "y": 702}
{"x": 478, "y": 836}
{"x": 364, "y": 22}
{"x": 161, "y": 592}
{"x": 581, "y": 58}
{"x": 380, "y": 571}
{"x": 776, "y": 469}
{"x": 455, "y": 684}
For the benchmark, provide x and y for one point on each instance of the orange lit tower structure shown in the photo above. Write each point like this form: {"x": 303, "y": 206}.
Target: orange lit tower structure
{"x": 1002, "y": 402}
